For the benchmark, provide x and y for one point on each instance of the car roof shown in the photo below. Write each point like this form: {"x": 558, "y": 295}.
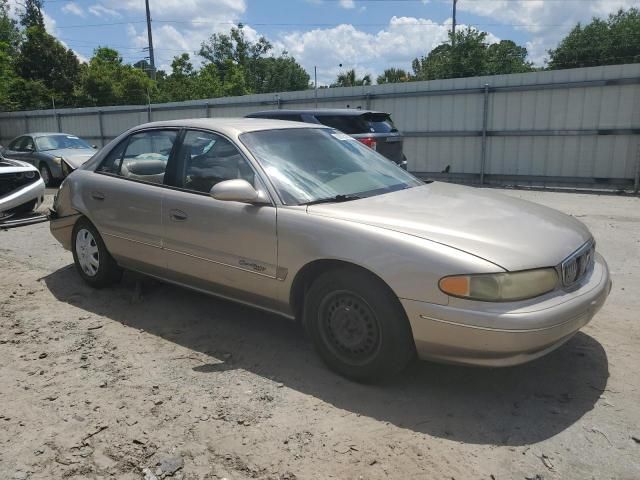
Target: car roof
{"x": 44, "y": 134}
{"x": 324, "y": 111}
{"x": 229, "y": 126}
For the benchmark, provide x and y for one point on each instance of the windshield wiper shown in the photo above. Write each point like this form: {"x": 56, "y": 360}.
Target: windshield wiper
{"x": 335, "y": 199}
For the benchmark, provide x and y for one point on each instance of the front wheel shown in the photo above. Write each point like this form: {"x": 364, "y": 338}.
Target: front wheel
{"x": 93, "y": 262}
{"x": 358, "y": 325}
{"x": 45, "y": 173}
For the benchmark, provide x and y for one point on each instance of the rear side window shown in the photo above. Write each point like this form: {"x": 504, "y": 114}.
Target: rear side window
{"x": 143, "y": 157}
{"x": 111, "y": 164}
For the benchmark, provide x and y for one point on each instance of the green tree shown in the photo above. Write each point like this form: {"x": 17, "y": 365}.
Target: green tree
{"x": 467, "y": 54}
{"x": 244, "y": 66}
{"x": 108, "y": 81}
{"x": 279, "y": 74}
{"x": 9, "y": 34}
{"x": 32, "y": 14}
{"x": 43, "y": 58}
{"x": 393, "y": 75}
{"x": 9, "y": 41}
{"x": 612, "y": 41}
{"x": 506, "y": 57}
{"x": 350, "y": 79}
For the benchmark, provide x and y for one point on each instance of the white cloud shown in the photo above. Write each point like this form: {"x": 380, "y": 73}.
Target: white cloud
{"x": 546, "y": 22}
{"x": 102, "y": 11}
{"x": 396, "y": 45}
{"x": 181, "y": 25}
{"x": 347, "y": 4}
{"x": 73, "y": 9}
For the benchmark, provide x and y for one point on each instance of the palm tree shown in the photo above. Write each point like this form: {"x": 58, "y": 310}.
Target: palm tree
{"x": 350, "y": 79}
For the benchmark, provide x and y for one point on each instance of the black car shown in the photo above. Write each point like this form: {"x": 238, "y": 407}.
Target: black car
{"x": 374, "y": 129}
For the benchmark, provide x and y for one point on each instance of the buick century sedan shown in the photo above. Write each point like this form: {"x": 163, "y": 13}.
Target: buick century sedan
{"x": 304, "y": 221}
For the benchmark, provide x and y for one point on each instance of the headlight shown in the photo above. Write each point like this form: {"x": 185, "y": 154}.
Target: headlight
{"x": 30, "y": 175}
{"x": 501, "y": 287}
{"x": 57, "y": 160}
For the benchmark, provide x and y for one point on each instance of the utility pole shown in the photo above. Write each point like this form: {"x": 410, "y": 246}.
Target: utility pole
{"x": 453, "y": 26}
{"x": 152, "y": 60}
{"x": 315, "y": 83}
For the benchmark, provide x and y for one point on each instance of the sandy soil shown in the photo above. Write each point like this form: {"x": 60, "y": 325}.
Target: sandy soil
{"x": 147, "y": 380}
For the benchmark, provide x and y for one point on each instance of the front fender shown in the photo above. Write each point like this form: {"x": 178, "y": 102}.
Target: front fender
{"x": 409, "y": 265}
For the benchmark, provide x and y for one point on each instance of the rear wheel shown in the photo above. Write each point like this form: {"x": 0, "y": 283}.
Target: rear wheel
{"x": 357, "y": 325}
{"x": 45, "y": 173}
{"x": 93, "y": 262}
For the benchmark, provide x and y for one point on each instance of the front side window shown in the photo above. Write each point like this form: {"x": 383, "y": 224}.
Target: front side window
{"x": 15, "y": 145}
{"x": 27, "y": 145}
{"x": 206, "y": 159}
{"x": 143, "y": 157}
{"x": 311, "y": 164}
{"x": 58, "y": 142}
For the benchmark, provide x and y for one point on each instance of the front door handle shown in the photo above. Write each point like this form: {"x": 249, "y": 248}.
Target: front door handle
{"x": 178, "y": 215}
{"x": 97, "y": 196}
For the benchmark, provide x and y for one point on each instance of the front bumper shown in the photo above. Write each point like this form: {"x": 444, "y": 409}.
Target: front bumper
{"x": 25, "y": 194}
{"x": 506, "y": 334}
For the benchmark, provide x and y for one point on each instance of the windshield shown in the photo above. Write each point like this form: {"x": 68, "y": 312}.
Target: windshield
{"x": 57, "y": 142}
{"x": 311, "y": 164}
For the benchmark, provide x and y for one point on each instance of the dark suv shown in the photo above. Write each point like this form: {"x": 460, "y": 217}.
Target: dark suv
{"x": 374, "y": 129}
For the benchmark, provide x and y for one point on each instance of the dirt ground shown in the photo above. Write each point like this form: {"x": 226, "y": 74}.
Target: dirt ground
{"x": 147, "y": 380}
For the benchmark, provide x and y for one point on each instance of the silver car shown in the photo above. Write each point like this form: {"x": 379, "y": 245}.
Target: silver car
{"x": 55, "y": 155}
{"x": 307, "y": 222}
{"x": 21, "y": 188}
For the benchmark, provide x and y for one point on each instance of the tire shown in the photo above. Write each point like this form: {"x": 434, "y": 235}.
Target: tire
{"x": 92, "y": 260}
{"x": 45, "y": 174}
{"x": 357, "y": 325}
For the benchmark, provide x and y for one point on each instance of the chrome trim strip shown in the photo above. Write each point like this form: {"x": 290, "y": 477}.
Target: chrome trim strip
{"x": 132, "y": 240}
{"x": 219, "y": 263}
{"x": 503, "y": 330}
{"x": 193, "y": 256}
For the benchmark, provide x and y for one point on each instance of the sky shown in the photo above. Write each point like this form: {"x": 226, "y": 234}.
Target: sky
{"x": 368, "y": 35}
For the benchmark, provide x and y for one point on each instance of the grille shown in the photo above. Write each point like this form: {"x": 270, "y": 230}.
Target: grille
{"x": 10, "y": 182}
{"x": 578, "y": 264}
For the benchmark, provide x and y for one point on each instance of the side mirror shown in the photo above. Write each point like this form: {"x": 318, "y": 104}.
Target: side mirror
{"x": 95, "y": 147}
{"x": 238, "y": 190}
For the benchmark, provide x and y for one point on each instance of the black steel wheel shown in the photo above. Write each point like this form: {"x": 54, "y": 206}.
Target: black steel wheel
{"x": 358, "y": 325}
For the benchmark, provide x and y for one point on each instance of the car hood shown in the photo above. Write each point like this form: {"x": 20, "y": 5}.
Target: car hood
{"x": 75, "y": 157}
{"x": 512, "y": 233}
{"x": 8, "y": 165}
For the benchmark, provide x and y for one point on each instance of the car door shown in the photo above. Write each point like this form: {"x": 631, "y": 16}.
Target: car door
{"x": 124, "y": 198}
{"x": 228, "y": 248}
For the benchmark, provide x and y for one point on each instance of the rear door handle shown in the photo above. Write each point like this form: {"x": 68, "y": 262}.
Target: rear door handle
{"x": 97, "y": 195}
{"x": 178, "y": 215}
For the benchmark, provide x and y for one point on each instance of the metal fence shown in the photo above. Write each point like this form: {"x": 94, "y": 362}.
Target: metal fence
{"x": 578, "y": 127}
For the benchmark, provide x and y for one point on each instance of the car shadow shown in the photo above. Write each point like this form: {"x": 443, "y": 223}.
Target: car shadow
{"x": 509, "y": 406}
